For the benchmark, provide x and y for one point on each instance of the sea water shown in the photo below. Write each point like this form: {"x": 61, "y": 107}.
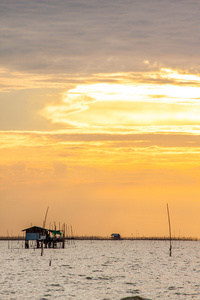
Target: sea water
{"x": 101, "y": 270}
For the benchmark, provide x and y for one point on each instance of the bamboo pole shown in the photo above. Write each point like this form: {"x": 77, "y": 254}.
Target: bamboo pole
{"x": 8, "y": 239}
{"x": 43, "y": 230}
{"x": 170, "y": 235}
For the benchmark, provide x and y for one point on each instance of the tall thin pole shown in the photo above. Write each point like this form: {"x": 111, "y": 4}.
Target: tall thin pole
{"x": 170, "y": 235}
{"x": 43, "y": 230}
{"x": 8, "y": 239}
{"x": 45, "y": 217}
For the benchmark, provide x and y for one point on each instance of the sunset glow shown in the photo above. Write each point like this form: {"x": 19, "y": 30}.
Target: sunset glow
{"x": 130, "y": 104}
{"x": 100, "y": 117}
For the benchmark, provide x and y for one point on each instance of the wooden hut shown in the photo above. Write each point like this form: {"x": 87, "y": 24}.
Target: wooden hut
{"x": 115, "y": 236}
{"x": 42, "y": 236}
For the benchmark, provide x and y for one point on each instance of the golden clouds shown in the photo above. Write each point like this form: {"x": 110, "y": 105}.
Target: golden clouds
{"x": 165, "y": 97}
{"x": 85, "y": 178}
{"x": 128, "y": 141}
{"x": 94, "y": 120}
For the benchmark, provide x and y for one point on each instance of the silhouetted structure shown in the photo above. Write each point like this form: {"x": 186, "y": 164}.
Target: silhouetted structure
{"x": 42, "y": 236}
{"x": 115, "y": 236}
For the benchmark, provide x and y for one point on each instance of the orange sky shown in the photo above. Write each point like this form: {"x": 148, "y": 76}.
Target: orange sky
{"x": 110, "y": 165}
{"x": 104, "y": 138}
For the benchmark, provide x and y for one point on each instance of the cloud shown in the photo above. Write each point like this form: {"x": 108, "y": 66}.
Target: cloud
{"x": 74, "y": 140}
{"x": 76, "y": 174}
{"x": 95, "y": 36}
{"x": 19, "y": 80}
{"x": 91, "y": 151}
{"x": 100, "y": 102}
{"x": 171, "y": 98}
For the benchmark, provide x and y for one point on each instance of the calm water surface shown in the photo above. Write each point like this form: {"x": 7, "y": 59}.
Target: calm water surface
{"x": 101, "y": 270}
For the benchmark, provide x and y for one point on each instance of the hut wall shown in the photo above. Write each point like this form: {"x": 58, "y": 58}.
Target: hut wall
{"x": 32, "y": 236}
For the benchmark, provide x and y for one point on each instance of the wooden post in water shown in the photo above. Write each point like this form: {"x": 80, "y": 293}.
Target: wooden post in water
{"x": 170, "y": 235}
{"x": 66, "y": 233}
{"x": 63, "y": 242}
{"x": 8, "y": 239}
{"x": 43, "y": 230}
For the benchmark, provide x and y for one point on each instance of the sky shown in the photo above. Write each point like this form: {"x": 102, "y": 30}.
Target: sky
{"x": 100, "y": 116}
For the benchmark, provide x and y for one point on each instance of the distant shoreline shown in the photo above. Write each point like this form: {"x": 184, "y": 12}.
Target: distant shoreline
{"x": 97, "y": 238}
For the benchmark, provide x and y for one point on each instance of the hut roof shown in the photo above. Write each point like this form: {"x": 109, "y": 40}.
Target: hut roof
{"x": 55, "y": 232}
{"x": 40, "y": 229}
{"x": 35, "y": 227}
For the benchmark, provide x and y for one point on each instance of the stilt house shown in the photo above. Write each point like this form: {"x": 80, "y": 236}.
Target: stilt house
{"x": 42, "y": 236}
